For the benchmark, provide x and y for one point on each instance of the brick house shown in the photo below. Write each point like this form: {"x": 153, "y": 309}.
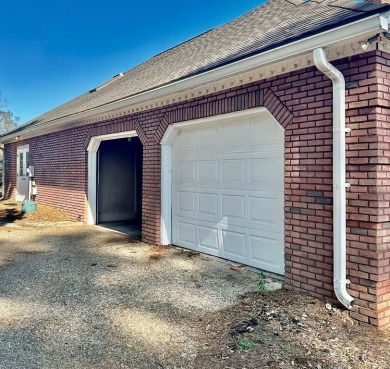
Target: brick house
{"x": 244, "y": 143}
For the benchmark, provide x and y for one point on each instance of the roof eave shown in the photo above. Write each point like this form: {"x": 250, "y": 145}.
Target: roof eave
{"x": 357, "y": 30}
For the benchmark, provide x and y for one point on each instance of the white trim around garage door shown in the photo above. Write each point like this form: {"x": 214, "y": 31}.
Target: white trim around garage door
{"x": 166, "y": 159}
{"x": 92, "y": 149}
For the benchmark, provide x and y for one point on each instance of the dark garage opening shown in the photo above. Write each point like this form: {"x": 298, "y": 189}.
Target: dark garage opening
{"x": 120, "y": 185}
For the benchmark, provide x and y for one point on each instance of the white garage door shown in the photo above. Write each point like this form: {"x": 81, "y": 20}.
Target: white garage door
{"x": 228, "y": 191}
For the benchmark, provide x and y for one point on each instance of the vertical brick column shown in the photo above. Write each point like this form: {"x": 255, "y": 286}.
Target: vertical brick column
{"x": 151, "y": 193}
{"x": 10, "y": 171}
{"x": 370, "y": 229}
{"x": 362, "y": 197}
{"x": 308, "y": 181}
{"x": 382, "y": 264}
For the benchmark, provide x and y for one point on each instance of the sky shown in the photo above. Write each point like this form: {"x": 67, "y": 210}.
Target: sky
{"x": 52, "y": 51}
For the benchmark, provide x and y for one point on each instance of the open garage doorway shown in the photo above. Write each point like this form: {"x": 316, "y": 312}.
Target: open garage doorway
{"x": 119, "y": 184}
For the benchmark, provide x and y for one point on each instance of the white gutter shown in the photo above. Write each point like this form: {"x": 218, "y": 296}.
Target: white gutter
{"x": 357, "y": 30}
{"x": 340, "y": 280}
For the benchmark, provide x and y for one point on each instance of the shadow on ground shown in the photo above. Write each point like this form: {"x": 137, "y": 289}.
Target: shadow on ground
{"x": 84, "y": 298}
{"x": 10, "y": 213}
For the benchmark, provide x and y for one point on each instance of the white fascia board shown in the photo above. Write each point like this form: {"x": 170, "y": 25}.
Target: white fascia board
{"x": 358, "y": 30}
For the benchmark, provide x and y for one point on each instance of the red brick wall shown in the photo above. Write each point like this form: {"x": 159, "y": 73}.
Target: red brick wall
{"x": 10, "y": 171}
{"x": 302, "y": 102}
{"x": 60, "y": 161}
{"x": 309, "y": 186}
{"x": 374, "y": 261}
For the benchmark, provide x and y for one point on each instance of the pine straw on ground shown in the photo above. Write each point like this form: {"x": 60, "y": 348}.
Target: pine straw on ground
{"x": 284, "y": 329}
{"x": 11, "y": 212}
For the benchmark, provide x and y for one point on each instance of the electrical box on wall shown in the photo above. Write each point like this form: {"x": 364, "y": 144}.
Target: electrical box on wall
{"x": 30, "y": 171}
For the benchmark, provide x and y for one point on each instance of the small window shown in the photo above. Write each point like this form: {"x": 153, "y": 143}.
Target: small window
{"x": 21, "y": 162}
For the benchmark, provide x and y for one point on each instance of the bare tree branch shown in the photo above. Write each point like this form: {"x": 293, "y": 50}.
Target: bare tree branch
{"x": 8, "y": 120}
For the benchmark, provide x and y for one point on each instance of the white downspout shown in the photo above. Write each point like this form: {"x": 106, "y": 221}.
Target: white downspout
{"x": 2, "y": 174}
{"x": 339, "y": 183}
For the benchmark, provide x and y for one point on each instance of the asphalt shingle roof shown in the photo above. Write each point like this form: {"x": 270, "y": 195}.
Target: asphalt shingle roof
{"x": 272, "y": 24}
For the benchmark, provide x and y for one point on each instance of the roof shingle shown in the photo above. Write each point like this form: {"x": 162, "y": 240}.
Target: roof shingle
{"x": 272, "y": 24}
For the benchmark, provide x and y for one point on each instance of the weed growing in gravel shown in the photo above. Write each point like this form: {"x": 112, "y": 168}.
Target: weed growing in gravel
{"x": 262, "y": 283}
{"x": 243, "y": 345}
{"x": 284, "y": 348}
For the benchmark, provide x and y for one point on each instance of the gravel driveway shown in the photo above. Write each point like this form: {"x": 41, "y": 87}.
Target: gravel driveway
{"x": 84, "y": 297}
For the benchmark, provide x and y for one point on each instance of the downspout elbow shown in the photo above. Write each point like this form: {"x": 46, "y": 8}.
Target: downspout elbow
{"x": 340, "y": 289}
{"x": 328, "y": 69}
{"x": 339, "y": 178}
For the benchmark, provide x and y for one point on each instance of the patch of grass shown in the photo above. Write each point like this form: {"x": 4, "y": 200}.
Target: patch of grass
{"x": 284, "y": 348}
{"x": 246, "y": 346}
{"x": 262, "y": 283}
{"x": 348, "y": 354}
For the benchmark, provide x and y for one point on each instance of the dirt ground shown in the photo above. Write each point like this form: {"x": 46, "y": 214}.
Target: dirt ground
{"x": 83, "y": 298}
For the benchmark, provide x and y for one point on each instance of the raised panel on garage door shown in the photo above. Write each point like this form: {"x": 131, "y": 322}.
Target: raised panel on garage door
{"x": 228, "y": 191}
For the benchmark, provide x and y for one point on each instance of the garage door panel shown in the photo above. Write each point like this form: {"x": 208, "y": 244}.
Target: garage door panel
{"x": 233, "y": 135}
{"x": 251, "y": 173}
{"x": 207, "y": 139}
{"x": 243, "y": 153}
{"x": 186, "y": 141}
{"x": 264, "y": 137}
{"x": 187, "y": 171}
{"x": 233, "y": 207}
{"x": 208, "y": 238}
{"x": 262, "y": 210}
{"x": 257, "y": 248}
{"x": 234, "y": 244}
{"x": 228, "y": 192}
{"x": 263, "y": 173}
{"x": 186, "y": 202}
{"x": 208, "y": 204}
{"x": 266, "y": 252}
{"x": 186, "y": 234}
{"x": 233, "y": 170}
{"x": 208, "y": 171}
{"x": 266, "y": 213}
